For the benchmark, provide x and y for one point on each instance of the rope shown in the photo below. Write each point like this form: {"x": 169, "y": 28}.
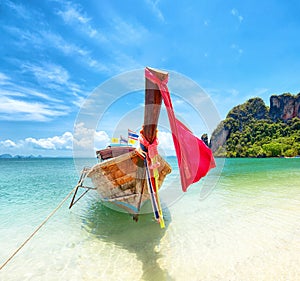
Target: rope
{"x": 38, "y": 228}
{"x": 150, "y": 154}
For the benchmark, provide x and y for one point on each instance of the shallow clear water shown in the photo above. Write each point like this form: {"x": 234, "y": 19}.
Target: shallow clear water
{"x": 246, "y": 228}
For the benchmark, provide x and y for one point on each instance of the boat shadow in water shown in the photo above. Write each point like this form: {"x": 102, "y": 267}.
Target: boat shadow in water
{"x": 141, "y": 238}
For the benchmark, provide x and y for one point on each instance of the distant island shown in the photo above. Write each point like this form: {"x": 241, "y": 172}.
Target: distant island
{"x": 8, "y": 156}
{"x": 253, "y": 129}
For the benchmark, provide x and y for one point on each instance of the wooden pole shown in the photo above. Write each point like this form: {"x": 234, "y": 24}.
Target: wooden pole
{"x": 153, "y": 101}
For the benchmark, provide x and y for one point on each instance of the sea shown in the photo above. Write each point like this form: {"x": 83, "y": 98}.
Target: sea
{"x": 241, "y": 222}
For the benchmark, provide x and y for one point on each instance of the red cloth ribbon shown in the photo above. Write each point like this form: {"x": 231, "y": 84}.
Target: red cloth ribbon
{"x": 152, "y": 150}
{"x": 194, "y": 158}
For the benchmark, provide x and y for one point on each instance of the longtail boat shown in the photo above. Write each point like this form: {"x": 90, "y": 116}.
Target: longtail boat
{"x": 127, "y": 177}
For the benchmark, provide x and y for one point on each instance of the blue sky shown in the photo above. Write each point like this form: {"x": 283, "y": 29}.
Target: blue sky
{"x": 55, "y": 53}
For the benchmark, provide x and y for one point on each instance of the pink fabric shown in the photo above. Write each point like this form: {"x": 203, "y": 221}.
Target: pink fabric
{"x": 195, "y": 159}
{"x": 152, "y": 150}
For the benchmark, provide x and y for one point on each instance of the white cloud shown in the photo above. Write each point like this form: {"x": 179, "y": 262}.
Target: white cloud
{"x": 101, "y": 139}
{"x": 24, "y": 37}
{"x": 3, "y": 78}
{"x": 166, "y": 145}
{"x": 73, "y": 50}
{"x": 10, "y": 89}
{"x": 87, "y": 138}
{"x": 48, "y": 38}
{"x": 40, "y": 36}
{"x": 119, "y": 31}
{"x": 83, "y": 139}
{"x": 24, "y": 103}
{"x": 237, "y": 48}
{"x": 18, "y": 9}
{"x": 95, "y": 64}
{"x": 236, "y": 14}
{"x": 8, "y": 144}
{"x": 13, "y": 109}
{"x": 48, "y": 73}
{"x": 155, "y": 9}
{"x": 73, "y": 14}
{"x": 63, "y": 142}
{"x": 35, "y": 93}
{"x": 78, "y": 102}
{"x": 43, "y": 38}
{"x": 126, "y": 33}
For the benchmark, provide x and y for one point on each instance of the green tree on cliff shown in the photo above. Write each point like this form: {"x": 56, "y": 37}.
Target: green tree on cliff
{"x": 248, "y": 131}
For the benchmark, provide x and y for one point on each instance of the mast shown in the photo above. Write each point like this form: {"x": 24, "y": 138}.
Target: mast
{"x": 153, "y": 101}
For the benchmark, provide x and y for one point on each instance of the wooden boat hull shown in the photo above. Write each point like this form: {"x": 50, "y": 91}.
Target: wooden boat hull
{"x": 122, "y": 182}
{"x": 113, "y": 151}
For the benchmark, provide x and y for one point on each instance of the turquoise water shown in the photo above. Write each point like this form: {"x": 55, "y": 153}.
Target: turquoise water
{"x": 241, "y": 223}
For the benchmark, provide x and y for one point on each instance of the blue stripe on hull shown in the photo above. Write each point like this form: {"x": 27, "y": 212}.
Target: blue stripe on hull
{"x": 124, "y": 206}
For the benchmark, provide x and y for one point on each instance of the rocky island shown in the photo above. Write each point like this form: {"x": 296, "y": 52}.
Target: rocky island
{"x": 253, "y": 129}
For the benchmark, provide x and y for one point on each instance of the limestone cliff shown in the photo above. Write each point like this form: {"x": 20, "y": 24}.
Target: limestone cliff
{"x": 251, "y": 125}
{"x": 219, "y": 137}
{"x": 284, "y": 107}
{"x": 236, "y": 119}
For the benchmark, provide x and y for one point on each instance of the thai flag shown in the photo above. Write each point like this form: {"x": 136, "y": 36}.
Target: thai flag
{"x": 132, "y": 135}
{"x": 123, "y": 140}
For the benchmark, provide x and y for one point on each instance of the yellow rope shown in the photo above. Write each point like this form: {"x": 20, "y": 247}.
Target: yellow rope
{"x": 38, "y": 228}
{"x": 154, "y": 160}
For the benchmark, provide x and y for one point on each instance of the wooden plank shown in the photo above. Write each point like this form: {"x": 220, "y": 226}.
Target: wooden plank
{"x": 153, "y": 101}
